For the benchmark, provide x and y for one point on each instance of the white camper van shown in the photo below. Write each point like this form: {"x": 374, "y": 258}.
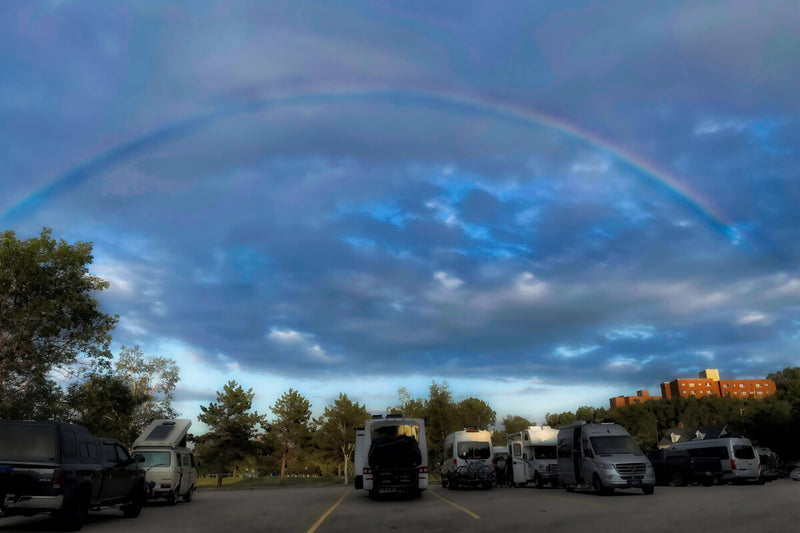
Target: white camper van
{"x": 740, "y": 462}
{"x": 170, "y": 468}
{"x": 533, "y": 456}
{"x": 603, "y": 457}
{"x": 468, "y": 459}
{"x": 391, "y": 456}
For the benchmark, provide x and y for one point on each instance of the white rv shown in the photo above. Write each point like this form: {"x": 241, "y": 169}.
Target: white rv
{"x": 739, "y": 460}
{"x": 170, "y": 468}
{"x": 391, "y": 456}
{"x": 468, "y": 459}
{"x": 603, "y": 457}
{"x": 533, "y": 456}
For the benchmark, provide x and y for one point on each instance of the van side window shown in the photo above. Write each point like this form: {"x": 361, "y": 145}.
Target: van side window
{"x": 564, "y": 449}
{"x": 69, "y": 441}
{"x": 186, "y": 460}
{"x": 517, "y": 449}
{"x": 587, "y": 450}
{"x": 122, "y": 453}
{"x": 109, "y": 453}
{"x": 191, "y": 460}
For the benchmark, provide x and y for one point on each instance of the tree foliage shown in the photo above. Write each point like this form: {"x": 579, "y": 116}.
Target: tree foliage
{"x": 232, "y": 429}
{"x": 49, "y": 318}
{"x": 337, "y": 428}
{"x": 290, "y": 431}
{"x": 152, "y": 382}
{"x": 106, "y": 406}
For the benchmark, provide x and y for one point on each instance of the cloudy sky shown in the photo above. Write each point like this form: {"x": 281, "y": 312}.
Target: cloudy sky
{"x": 543, "y": 203}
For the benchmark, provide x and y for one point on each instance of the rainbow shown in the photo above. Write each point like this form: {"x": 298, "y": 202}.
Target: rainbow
{"x": 442, "y": 100}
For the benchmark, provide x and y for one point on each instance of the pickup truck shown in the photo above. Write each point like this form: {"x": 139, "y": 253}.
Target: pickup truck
{"x": 62, "y": 469}
{"x": 679, "y": 468}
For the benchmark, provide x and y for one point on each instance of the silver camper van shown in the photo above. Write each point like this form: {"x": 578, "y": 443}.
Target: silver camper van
{"x": 170, "y": 467}
{"x": 603, "y": 457}
{"x": 740, "y": 462}
{"x": 468, "y": 459}
{"x": 533, "y": 456}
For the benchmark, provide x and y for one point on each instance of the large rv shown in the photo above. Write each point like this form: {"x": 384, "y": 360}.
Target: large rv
{"x": 468, "y": 459}
{"x": 391, "y": 456}
{"x": 603, "y": 457}
{"x": 533, "y": 456}
{"x": 739, "y": 460}
{"x": 170, "y": 468}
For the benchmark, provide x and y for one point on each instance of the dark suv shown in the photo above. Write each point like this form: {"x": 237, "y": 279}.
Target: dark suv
{"x": 62, "y": 469}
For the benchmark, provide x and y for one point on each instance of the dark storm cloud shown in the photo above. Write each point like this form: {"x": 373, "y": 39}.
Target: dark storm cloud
{"x": 337, "y": 236}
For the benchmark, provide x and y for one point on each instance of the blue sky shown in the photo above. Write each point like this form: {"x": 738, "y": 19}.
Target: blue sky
{"x": 543, "y": 203}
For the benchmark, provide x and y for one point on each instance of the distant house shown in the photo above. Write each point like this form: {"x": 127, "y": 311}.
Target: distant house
{"x": 680, "y": 434}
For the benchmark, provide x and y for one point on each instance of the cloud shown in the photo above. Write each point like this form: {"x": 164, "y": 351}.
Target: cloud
{"x": 448, "y": 282}
{"x": 566, "y": 352}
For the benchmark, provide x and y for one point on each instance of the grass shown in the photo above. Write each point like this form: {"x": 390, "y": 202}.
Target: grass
{"x": 250, "y": 483}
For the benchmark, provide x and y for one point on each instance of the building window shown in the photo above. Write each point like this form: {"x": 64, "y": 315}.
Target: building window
{"x": 725, "y": 386}
{"x": 741, "y": 385}
{"x": 760, "y": 393}
{"x": 758, "y": 385}
{"x": 691, "y": 384}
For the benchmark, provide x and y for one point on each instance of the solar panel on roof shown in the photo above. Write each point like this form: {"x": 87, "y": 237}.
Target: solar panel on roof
{"x": 160, "y": 432}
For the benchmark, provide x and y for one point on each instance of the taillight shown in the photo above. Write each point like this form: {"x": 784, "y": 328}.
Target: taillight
{"x": 455, "y": 462}
{"x": 58, "y": 479}
{"x": 733, "y": 464}
{"x": 423, "y": 470}
{"x": 367, "y": 470}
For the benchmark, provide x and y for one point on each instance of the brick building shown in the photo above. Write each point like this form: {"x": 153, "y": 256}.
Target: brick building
{"x": 623, "y": 401}
{"x": 707, "y": 383}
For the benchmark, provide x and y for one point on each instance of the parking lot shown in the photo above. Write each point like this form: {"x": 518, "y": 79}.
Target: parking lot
{"x": 772, "y": 507}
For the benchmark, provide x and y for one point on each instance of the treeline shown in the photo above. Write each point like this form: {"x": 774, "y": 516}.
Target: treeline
{"x": 773, "y": 422}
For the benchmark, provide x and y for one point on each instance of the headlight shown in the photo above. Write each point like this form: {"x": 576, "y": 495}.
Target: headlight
{"x": 606, "y": 466}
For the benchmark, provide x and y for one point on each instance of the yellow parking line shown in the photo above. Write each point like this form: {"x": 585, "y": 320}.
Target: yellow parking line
{"x": 473, "y": 515}
{"x": 329, "y": 511}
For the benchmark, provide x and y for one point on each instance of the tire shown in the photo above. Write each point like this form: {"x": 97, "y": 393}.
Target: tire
{"x": 487, "y": 485}
{"x": 707, "y": 481}
{"x": 539, "y": 481}
{"x": 649, "y": 489}
{"x": 188, "y": 496}
{"x": 600, "y": 488}
{"x": 74, "y": 515}
{"x": 444, "y": 482}
{"x": 133, "y": 509}
{"x": 172, "y": 498}
{"x": 569, "y": 488}
{"x": 679, "y": 479}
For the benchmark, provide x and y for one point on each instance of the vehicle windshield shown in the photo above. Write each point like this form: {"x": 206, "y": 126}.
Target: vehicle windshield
{"x": 473, "y": 450}
{"x": 614, "y": 444}
{"x": 155, "y": 458}
{"x": 23, "y": 441}
{"x": 544, "y": 452}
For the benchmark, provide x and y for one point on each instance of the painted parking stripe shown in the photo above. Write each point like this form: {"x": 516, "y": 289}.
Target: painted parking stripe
{"x": 329, "y": 511}
{"x": 454, "y": 504}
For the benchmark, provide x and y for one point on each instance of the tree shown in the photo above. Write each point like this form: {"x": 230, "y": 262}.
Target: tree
{"x": 290, "y": 430}
{"x": 232, "y": 428}
{"x": 337, "y": 427}
{"x": 152, "y": 380}
{"x": 441, "y": 418}
{"x": 560, "y": 419}
{"x": 105, "y": 405}
{"x": 49, "y": 319}
{"x": 472, "y": 412}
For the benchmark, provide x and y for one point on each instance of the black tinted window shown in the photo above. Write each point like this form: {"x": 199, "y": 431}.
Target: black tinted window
{"x": 26, "y": 441}
{"x": 474, "y": 450}
{"x": 69, "y": 443}
{"x": 544, "y": 452}
{"x": 744, "y": 452}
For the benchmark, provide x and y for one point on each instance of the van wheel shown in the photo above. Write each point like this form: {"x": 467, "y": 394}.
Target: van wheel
{"x": 539, "y": 481}
{"x": 599, "y": 487}
{"x": 444, "y": 482}
{"x": 188, "y": 496}
{"x": 678, "y": 479}
{"x": 172, "y": 498}
{"x": 569, "y": 488}
{"x": 648, "y": 490}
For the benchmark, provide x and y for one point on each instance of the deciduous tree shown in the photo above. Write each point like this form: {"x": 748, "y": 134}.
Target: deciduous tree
{"x": 49, "y": 317}
{"x": 337, "y": 428}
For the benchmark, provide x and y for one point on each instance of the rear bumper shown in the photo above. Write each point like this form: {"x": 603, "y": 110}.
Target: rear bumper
{"x": 27, "y": 504}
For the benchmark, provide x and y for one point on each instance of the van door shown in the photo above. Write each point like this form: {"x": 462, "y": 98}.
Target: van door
{"x": 576, "y": 455}
{"x": 565, "y": 464}
{"x": 517, "y": 463}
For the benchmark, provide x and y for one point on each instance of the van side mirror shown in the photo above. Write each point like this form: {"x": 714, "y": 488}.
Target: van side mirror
{"x": 525, "y": 456}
